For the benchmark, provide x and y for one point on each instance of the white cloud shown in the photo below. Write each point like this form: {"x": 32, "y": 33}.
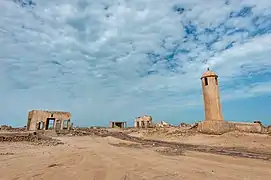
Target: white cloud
{"x": 94, "y": 57}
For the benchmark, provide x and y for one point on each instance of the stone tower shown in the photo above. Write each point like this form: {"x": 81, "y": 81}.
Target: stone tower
{"x": 212, "y": 106}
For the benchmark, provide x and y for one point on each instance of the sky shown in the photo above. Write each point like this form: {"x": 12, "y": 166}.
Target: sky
{"x": 119, "y": 59}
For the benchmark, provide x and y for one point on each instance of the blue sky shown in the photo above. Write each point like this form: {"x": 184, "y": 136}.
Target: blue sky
{"x": 118, "y": 59}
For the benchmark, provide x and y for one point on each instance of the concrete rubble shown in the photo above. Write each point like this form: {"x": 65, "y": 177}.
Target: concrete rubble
{"x": 162, "y": 124}
{"x": 33, "y": 138}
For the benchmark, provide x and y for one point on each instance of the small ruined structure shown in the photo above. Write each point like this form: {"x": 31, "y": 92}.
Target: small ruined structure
{"x": 48, "y": 120}
{"x": 117, "y": 124}
{"x": 143, "y": 122}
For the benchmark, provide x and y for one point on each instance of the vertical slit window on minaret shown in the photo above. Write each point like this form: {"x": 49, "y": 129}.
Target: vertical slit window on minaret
{"x": 216, "y": 82}
{"x": 206, "y": 81}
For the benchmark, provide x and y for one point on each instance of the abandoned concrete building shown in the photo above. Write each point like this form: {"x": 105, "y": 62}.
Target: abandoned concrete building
{"x": 117, "y": 124}
{"x": 48, "y": 120}
{"x": 214, "y": 121}
{"x": 143, "y": 122}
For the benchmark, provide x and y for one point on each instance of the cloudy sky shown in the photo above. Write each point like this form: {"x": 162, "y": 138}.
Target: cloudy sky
{"x": 119, "y": 59}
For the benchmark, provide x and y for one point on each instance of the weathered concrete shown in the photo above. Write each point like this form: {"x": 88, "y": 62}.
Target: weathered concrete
{"x": 247, "y": 127}
{"x": 221, "y": 127}
{"x": 39, "y": 120}
{"x": 212, "y": 106}
{"x": 216, "y": 127}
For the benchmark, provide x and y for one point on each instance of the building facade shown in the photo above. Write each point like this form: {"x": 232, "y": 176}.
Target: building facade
{"x": 48, "y": 120}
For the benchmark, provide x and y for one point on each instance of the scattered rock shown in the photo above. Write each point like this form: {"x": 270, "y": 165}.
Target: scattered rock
{"x": 170, "y": 151}
{"x": 163, "y": 124}
{"x": 54, "y": 165}
{"x": 11, "y": 129}
{"x": 7, "y": 153}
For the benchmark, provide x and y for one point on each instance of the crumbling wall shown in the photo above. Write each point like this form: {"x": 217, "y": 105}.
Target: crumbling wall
{"x": 247, "y": 127}
{"x": 36, "y": 116}
{"x": 144, "y": 118}
{"x": 61, "y": 115}
{"x": 221, "y": 127}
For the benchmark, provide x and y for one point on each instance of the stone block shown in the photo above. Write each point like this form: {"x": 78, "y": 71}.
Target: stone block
{"x": 215, "y": 127}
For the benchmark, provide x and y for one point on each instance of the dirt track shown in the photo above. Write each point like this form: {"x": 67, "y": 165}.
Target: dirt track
{"x": 105, "y": 155}
{"x": 231, "y": 151}
{"x": 89, "y": 158}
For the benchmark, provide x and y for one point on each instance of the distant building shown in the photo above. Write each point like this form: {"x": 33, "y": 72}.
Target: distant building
{"x": 117, "y": 124}
{"x": 48, "y": 120}
{"x": 143, "y": 122}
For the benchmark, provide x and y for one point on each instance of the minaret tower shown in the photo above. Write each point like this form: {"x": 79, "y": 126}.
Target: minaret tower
{"x": 212, "y": 106}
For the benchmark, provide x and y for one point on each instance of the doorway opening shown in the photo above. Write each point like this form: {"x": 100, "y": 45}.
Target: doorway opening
{"x": 50, "y": 122}
{"x": 65, "y": 124}
{"x": 40, "y": 125}
{"x": 119, "y": 124}
{"x": 58, "y": 125}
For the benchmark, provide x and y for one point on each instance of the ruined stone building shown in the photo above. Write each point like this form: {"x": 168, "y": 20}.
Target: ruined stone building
{"x": 48, "y": 120}
{"x": 117, "y": 124}
{"x": 143, "y": 122}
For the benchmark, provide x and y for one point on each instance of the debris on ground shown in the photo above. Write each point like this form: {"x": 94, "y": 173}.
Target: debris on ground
{"x": 33, "y": 138}
{"x": 11, "y": 129}
{"x": 162, "y": 124}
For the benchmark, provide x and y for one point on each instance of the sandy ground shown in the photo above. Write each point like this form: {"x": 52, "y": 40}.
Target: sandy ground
{"x": 95, "y": 158}
{"x": 259, "y": 142}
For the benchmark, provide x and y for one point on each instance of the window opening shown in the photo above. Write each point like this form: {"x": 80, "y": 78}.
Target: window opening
{"x": 206, "y": 81}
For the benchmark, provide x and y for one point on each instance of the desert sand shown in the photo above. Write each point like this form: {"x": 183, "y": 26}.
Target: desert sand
{"x": 110, "y": 158}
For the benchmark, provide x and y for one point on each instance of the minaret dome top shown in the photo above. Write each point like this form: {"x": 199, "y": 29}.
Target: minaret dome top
{"x": 208, "y": 73}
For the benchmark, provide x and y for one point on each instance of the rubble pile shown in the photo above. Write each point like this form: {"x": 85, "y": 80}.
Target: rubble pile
{"x": 182, "y": 124}
{"x": 171, "y": 151}
{"x": 170, "y": 132}
{"x": 5, "y": 127}
{"x": 11, "y": 129}
{"x": 163, "y": 124}
{"x": 89, "y": 132}
{"x": 155, "y": 131}
{"x": 33, "y": 138}
{"x": 180, "y": 133}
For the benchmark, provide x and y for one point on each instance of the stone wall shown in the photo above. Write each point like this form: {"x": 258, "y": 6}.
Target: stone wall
{"x": 214, "y": 127}
{"x": 220, "y": 127}
{"x": 247, "y": 127}
{"x": 144, "y": 118}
